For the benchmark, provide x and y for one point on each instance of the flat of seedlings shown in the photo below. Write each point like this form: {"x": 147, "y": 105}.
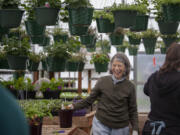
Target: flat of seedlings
{"x": 56, "y": 130}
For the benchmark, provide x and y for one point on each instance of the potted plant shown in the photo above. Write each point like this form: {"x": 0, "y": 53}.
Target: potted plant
{"x": 17, "y": 53}
{"x": 65, "y": 115}
{"x": 89, "y": 39}
{"x": 34, "y": 60}
{"x": 122, "y": 48}
{"x": 52, "y": 89}
{"x": 32, "y": 27}
{"x": 104, "y": 44}
{"x": 76, "y": 62}
{"x": 55, "y": 106}
{"x": 133, "y": 49}
{"x": 162, "y": 47}
{"x": 117, "y": 36}
{"x": 165, "y": 26}
{"x": 104, "y": 21}
{"x": 134, "y": 37}
{"x": 59, "y": 35}
{"x": 101, "y": 61}
{"x": 10, "y": 14}
{"x": 3, "y": 60}
{"x": 74, "y": 44}
{"x": 56, "y": 57}
{"x": 16, "y": 32}
{"x": 169, "y": 39}
{"x": 48, "y": 8}
{"x": 141, "y": 21}
{"x": 124, "y": 14}
{"x": 149, "y": 39}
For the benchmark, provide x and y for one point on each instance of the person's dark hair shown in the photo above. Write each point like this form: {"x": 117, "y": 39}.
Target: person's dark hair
{"x": 124, "y": 59}
{"x": 172, "y": 60}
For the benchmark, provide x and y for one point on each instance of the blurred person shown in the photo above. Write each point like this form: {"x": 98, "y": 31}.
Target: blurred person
{"x": 116, "y": 96}
{"x": 163, "y": 89}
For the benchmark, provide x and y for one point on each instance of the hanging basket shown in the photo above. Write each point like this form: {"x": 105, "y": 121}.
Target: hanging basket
{"x": 29, "y": 94}
{"x": 169, "y": 40}
{"x": 60, "y": 38}
{"x": 124, "y": 18}
{"x": 149, "y": 45}
{"x": 10, "y": 18}
{"x": 17, "y": 62}
{"x": 3, "y": 31}
{"x": 4, "y": 64}
{"x": 65, "y": 118}
{"x": 14, "y": 34}
{"x": 81, "y": 16}
{"x": 116, "y": 39}
{"x": 55, "y": 64}
{"x": 46, "y": 16}
{"x": 33, "y": 28}
{"x": 168, "y": 28}
{"x": 37, "y": 39}
{"x": 134, "y": 41}
{"x": 46, "y": 41}
{"x": 99, "y": 67}
{"x": 141, "y": 23}
{"x": 87, "y": 39}
{"x": 44, "y": 65}
{"x": 81, "y": 66}
{"x": 104, "y": 25}
{"x": 78, "y": 30}
{"x": 121, "y": 48}
{"x": 33, "y": 66}
{"x": 106, "y": 49}
{"x": 72, "y": 66}
{"x": 172, "y": 12}
{"x": 51, "y": 94}
{"x": 133, "y": 51}
{"x": 163, "y": 50}
{"x": 18, "y": 74}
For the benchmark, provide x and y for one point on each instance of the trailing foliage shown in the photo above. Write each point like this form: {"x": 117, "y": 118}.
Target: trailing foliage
{"x": 150, "y": 33}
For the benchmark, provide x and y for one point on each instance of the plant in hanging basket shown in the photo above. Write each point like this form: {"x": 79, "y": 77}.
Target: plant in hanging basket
{"x": 76, "y": 62}
{"x": 73, "y": 44}
{"x": 3, "y": 60}
{"x": 117, "y": 36}
{"x": 52, "y": 89}
{"x": 17, "y": 53}
{"x": 77, "y": 3}
{"x": 149, "y": 39}
{"x": 17, "y": 32}
{"x": 169, "y": 39}
{"x": 162, "y": 47}
{"x": 134, "y": 37}
{"x": 57, "y": 55}
{"x": 124, "y": 14}
{"x": 34, "y": 60}
{"x": 133, "y": 49}
{"x": 101, "y": 61}
{"x": 104, "y": 21}
{"x": 104, "y": 44}
{"x": 122, "y": 48}
{"x": 59, "y": 35}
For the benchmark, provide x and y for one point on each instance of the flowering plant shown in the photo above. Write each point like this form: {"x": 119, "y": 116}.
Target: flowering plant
{"x": 52, "y": 85}
{"x": 99, "y": 58}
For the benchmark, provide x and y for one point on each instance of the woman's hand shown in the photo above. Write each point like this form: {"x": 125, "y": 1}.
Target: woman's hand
{"x": 135, "y": 132}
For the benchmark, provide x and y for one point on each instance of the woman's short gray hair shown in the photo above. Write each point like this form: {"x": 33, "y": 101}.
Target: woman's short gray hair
{"x": 124, "y": 59}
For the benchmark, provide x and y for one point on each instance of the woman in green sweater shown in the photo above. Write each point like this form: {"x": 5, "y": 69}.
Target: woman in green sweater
{"x": 116, "y": 96}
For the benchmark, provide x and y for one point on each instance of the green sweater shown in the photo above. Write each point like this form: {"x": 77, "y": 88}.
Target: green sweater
{"x": 116, "y": 103}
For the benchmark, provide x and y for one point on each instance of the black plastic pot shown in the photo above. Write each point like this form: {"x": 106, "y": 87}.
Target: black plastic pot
{"x": 51, "y": 94}
{"x": 65, "y": 117}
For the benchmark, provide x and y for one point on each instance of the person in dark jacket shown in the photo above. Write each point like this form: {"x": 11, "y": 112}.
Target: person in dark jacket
{"x": 163, "y": 88}
{"x": 116, "y": 96}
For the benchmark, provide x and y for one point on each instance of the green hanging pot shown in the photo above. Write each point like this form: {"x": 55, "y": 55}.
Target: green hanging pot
{"x": 17, "y": 62}
{"x": 172, "y": 12}
{"x": 10, "y": 18}
{"x": 81, "y": 66}
{"x": 45, "y": 42}
{"x": 134, "y": 41}
{"x": 163, "y": 50}
{"x": 104, "y": 25}
{"x": 106, "y": 49}
{"x": 34, "y": 29}
{"x": 72, "y": 66}
{"x": 4, "y": 64}
{"x": 55, "y": 64}
{"x": 81, "y": 16}
{"x": 87, "y": 39}
{"x": 33, "y": 66}
{"x": 116, "y": 39}
{"x": 62, "y": 38}
{"x": 149, "y": 45}
{"x": 121, "y": 48}
{"x": 169, "y": 40}
{"x": 168, "y": 28}
{"x": 124, "y": 18}
{"x": 46, "y": 16}
{"x": 133, "y": 51}
{"x": 44, "y": 65}
{"x": 99, "y": 67}
{"x": 141, "y": 23}
{"x": 37, "y": 39}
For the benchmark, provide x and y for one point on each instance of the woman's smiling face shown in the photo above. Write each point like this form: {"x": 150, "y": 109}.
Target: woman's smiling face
{"x": 118, "y": 69}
